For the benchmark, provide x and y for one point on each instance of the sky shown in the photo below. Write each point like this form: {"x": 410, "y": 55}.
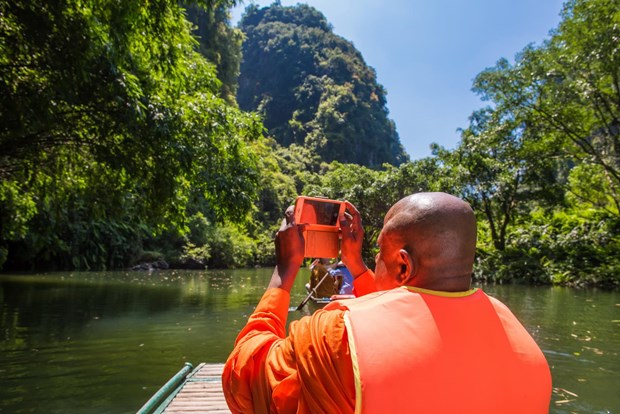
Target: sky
{"x": 426, "y": 54}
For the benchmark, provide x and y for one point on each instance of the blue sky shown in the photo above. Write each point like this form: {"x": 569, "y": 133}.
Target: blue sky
{"x": 427, "y": 52}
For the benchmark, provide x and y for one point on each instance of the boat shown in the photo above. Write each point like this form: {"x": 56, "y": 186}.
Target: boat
{"x": 326, "y": 300}
{"x": 190, "y": 390}
{"x": 324, "y": 289}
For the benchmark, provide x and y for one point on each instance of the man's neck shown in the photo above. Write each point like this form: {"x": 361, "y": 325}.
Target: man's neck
{"x": 442, "y": 282}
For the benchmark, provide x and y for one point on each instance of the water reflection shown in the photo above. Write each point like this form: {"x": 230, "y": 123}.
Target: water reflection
{"x": 579, "y": 332}
{"x": 104, "y": 342}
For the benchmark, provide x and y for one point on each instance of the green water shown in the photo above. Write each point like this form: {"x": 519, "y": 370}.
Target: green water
{"x": 105, "y": 342}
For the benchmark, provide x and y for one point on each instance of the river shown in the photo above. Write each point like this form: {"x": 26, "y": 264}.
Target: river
{"x": 105, "y": 342}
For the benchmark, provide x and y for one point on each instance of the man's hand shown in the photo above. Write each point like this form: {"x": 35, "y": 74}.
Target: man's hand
{"x": 290, "y": 246}
{"x": 352, "y": 239}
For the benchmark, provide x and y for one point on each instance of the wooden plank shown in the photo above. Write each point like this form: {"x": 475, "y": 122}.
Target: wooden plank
{"x": 201, "y": 393}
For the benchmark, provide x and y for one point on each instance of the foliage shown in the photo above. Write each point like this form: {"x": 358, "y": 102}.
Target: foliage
{"x": 562, "y": 248}
{"x": 500, "y": 170}
{"x": 110, "y": 119}
{"x": 219, "y": 43}
{"x": 121, "y": 141}
{"x": 276, "y": 188}
{"x": 314, "y": 88}
{"x": 15, "y": 212}
{"x": 570, "y": 88}
{"x": 218, "y": 246}
{"x": 230, "y": 248}
{"x": 549, "y": 142}
{"x": 588, "y": 185}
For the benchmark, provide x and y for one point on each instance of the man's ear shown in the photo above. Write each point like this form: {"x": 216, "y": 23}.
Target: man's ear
{"x": 406, "y": 267}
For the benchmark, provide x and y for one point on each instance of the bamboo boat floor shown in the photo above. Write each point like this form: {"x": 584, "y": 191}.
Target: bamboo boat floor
{"x": 201, "y": 393}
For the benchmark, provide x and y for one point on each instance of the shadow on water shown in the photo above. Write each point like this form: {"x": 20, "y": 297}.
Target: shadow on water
{"x": 104, "y": 342}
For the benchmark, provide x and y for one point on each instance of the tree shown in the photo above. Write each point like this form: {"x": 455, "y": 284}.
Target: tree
{"x": 110, "y": 121}
{"x": 571, "y": 86}
{"x": 500, "y": 170}
{"x": 219, "y": 43}
{"x": 540, "y": 163}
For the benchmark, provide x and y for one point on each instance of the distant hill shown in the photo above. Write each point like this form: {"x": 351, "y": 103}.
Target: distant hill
{"x": 314, "y": 88}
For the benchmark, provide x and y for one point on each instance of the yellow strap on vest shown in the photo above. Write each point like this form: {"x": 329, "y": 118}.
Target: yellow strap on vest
{"x": 441, "y": 292}
{"x": 356, "y": 368}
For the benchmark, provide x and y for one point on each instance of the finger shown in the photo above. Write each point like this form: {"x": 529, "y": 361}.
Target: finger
{"x": 301, "y": 228}
{"x": 351, "y": 208}
{"x": 289, "y": 215}
{"x": 354, "y": 213}
{"x": 283, "y": 225}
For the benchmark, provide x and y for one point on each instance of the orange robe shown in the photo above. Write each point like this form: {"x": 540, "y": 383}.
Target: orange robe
{"x": 269, "y": 371}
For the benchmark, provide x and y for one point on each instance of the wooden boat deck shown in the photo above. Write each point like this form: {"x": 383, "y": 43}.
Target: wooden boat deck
{"x": 200, "y": 393}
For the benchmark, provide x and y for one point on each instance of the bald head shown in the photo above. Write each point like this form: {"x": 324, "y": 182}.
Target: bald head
{"x": 438, "y": 232}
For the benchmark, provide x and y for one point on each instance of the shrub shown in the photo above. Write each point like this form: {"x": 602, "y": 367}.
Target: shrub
{"x": 558, "y": 248}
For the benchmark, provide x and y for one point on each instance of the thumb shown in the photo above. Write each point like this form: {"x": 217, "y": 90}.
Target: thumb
{"x": 345, "y": 220}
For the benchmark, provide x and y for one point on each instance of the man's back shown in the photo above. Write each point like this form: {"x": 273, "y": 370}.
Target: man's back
{"x": 440, "y": 352}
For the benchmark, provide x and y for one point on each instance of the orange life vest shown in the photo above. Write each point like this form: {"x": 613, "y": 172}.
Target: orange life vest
{"x": 421, "y": 351}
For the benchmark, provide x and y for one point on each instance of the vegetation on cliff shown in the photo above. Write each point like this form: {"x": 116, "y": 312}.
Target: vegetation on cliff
{"x": 313, "y": 87}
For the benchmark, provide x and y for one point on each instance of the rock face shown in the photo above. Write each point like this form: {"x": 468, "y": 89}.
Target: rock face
{"x": 314, "y": 88}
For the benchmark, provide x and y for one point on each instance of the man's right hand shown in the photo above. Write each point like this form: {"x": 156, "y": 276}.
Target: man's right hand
{"x": 289, "y": 252}
{"x": 352, "y": 239}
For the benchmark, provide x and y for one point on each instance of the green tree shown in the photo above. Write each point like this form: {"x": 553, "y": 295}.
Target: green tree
{"x": 540, "y": 164}
{"x": 110, "y": 121}
{"x": 219, "y": 43}
{"x": 500, "y": 171}
{"x": 570, "y": 85}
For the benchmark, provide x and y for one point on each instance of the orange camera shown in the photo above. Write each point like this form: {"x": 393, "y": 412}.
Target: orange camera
{"x": 322, "y": 232}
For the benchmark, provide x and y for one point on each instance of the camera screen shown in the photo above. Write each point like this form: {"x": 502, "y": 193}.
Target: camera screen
{"x": 319, "y": 212}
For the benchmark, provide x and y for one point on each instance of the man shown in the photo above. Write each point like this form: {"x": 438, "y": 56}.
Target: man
{"x": 345, "y": 279}
{"x": 424, "y": 342}
{"x": 320, "y": 285}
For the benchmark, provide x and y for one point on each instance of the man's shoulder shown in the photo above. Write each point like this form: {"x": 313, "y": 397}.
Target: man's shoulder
{"x": 498, "y": 304}
{"x": 367, "y": 300}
